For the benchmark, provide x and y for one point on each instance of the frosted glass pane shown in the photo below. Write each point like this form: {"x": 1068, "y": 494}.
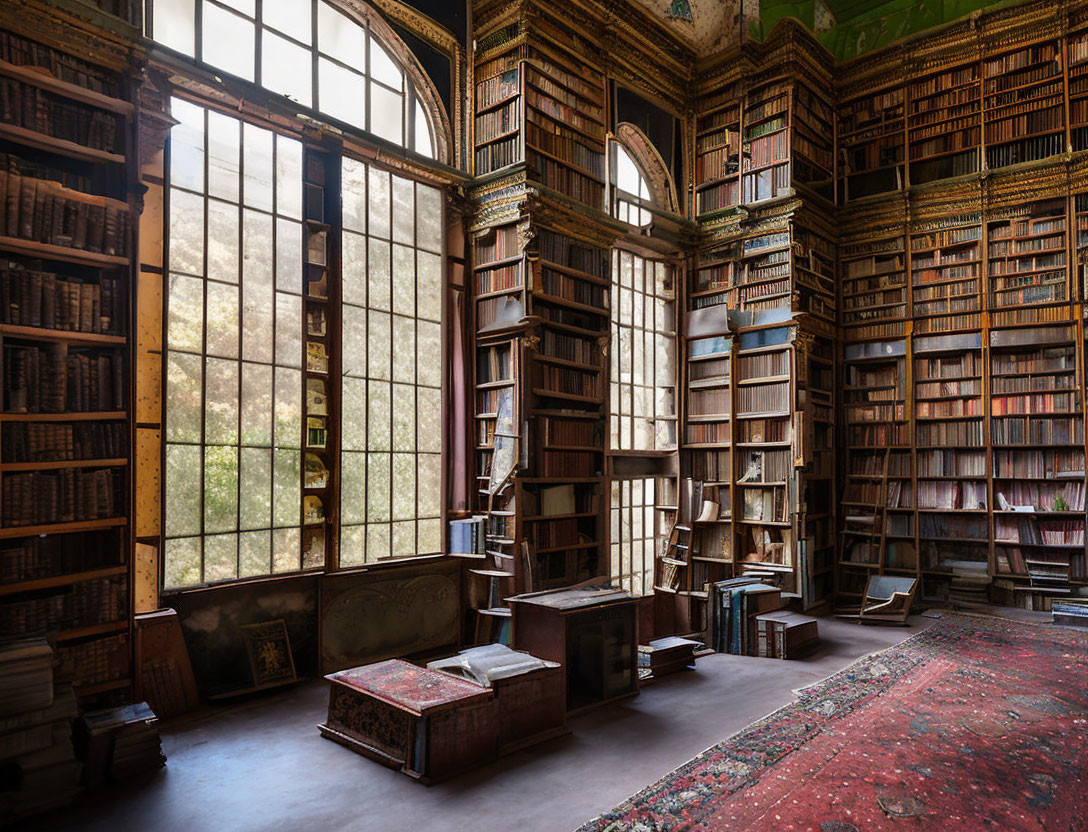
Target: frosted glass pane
{"x": 378, "y": 345}
{"x": 379, "y": 405}
{"x": 257, "y": 292}
{"x": 286, "y": 489}
{"x": 429, "y": 218}
{"x": 423, "y": 143}
{"x": 181, "y": 562}
{"x": 354, "y": 341}
{"x": 288, "y": 177}
{"x": 352, "y": 545}
{"x": 341, "y": 93}
{"x": 430, "y": 345}
{"x": 220, "y": 488}
{"x": 257, "y": 149}
{"x": 378, "y": 488}
{"x": 353, "y": 488}
{"x": 404, "y": 349}
{"x": 185, "y": 318}
{"x": 286, "y": 68}
{"x": 404, "y": 488}
{"x": 254, "y": 553}
{"x": 255, "y": 511}
{"x": 429, "y": 537}
{"x": 222, "y": 335}
{"x": 175, "y": 25}
{"x": 183, "y": 469}
{"x": 289, "y": 256}
{"x": 186, "y": 232}
{"x": 288, "y": 408}
{"x": 404, "y": 280}
{"x": 353, "y": 194}
{"x": 223, "y": 236}
{"x": 184, "y": 376}
{"x": 354, "y": 268}
{"x": 221, "y": 402}
{"x": 288, "y": 330}
{"x": 379, "y": 275}
{"x": 256, "y": 404}
{"x": 291, "y": 17}
{"x": 187, "y": 145}
{"x": 404, "y": 417}
{"x": 286, "y": 550}
{"x": 387, "y": 114}
{"x": 224, "y": 155}
{"x": 228, "y": 42}
{"x": 220, "y": 558}
{"x": 383, "y": 67}
{"x": 404, "y": 539}
{"x": 429, "y": 282}
{"x": 429, "y": 404}
{"x": 430, "y": 484}
{"x": 378, "y": 199}
{"x": 404, "y": 210}
{"x": 353, "y": 403}
{"x": 340, "y": 36}
{"x": 377, "y": 542}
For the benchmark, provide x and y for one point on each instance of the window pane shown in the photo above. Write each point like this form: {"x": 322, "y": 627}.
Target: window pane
{"x": 291, "y": 17}
{"x": 423, "y": 143}
{"x": 353, "y": 360}
{"x": 352, "y": 545}
{"x": 340, "y": 37}
{"x": 223, "y": 236}
{"x": 341, "y": 93}
{"x": 404, "y": 417}
{"x": 404, "y": 210}
{"x": 286, "y": 550}
{"x": 383, "y": 68}
{"x": 289, "y": 256}
{"x": 254, "y": 553}
{"x": 286, "y": 68}
{"x": 288, "y": 330}
{"x": 404, "y": 280}
{"x": 220, "y": 488}
{"x": 256, "y": 404}
{"x": 185, "y": 317}
{"x": 228, "y": 41}
{"x": 353, "y": 195}
{"x": 378, "y": 496}
{"x": 429, "y": 218}
{"x": 255, "y": 511}
{"x": 386, "y": 114}
{"x": 220, "y": 557}
{"x": 183, "y": 466}
{"x": 378, "y": 200}
{"x": 378, "y": 344}
{"x": 288, "y": 177}
{"x": 287, "y": 488}
{"x": 430, "y": 345}
{"x": 175, "y": 24}
{"x": 224, "y": 154}
{"x": 353, "y": 488}
{"x": 354, "y": 269}
{"x": 379, "y": 283}
{"x": 257, "y": 286}
{"x": 379, "y": 406}
{"x": 222, "y": 335}
{"x": 221, "y": 402}
{"x": 429, "y": 291}
{"x": 187, "y": 145}
{"x": 353, "y": 414}
{"x": 184, "y": 377}
{"x": 288, "y": 408}
{"x": 257, "y": 146}
{"x": 186, "y": 232}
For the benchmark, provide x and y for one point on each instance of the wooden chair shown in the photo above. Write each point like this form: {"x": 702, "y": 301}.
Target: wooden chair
{"x": 887, "y": 600}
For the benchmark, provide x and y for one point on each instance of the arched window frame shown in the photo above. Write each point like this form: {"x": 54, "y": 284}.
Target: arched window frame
{"x": 655, "y": 192}
{"x": 186, "y": 23}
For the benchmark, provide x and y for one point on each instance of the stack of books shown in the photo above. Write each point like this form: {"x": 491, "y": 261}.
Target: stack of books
{"x": 785, "y": 635}
{"x": 1073, "y": 613}
{"x": 36, "y": 716}
{"x": 119, "y": 743}
{"x": 666, "y": 655}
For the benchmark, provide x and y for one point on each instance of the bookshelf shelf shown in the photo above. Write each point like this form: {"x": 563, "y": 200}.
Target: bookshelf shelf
{"x": 62, "y": 528}
{"x": 11, "y": 467}
{"x": 39, "y": 77}
{"x": 63, "y": 147}
{"x": 29, "y": 248}
{"x": 61, "y": 335}
{"x": 61, "y": 580}
{"x": 93, "y": 630}
{"x": 94, "y": 416}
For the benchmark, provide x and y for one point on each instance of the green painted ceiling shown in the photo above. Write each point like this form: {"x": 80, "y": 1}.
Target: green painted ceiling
{"x": 849, "y": 28}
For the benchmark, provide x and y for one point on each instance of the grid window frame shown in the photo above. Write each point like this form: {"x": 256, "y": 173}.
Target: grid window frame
{"x": 637, "y": 533}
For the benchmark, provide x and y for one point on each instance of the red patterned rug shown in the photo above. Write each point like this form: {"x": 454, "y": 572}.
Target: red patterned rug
{"x": 974, "y": 724}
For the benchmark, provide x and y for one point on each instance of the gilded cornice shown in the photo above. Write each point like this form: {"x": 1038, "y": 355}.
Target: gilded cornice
{"x": 1001, "y": 191}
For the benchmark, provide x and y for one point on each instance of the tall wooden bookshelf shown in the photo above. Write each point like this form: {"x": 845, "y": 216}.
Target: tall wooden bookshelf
{"x": 66, "y": 274}
{"x": 541, "y": 102}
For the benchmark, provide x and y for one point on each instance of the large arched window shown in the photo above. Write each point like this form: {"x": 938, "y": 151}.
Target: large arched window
{"x": 640, "y": 182}
{"x": 339, "y": 63}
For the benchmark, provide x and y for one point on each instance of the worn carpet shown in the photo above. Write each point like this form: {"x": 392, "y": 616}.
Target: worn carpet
{"x": 976, "y": 723}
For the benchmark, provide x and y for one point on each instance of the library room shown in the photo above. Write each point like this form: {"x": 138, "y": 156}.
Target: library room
{"x": 545, "y": 415}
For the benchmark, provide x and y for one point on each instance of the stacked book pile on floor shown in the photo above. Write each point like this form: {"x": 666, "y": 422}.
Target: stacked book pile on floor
{"x": 119, "y": 743}
{"x": 747, "y": 618}
{"x": 666, "y": 655}
{"x": 1073, "y": 613}
{"x": 38, "y": 766}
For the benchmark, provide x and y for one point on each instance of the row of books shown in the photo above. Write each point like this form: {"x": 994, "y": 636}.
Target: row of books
{"x": 32, "y": 108}
{"x": 766, "y": 505}
{"x": 495, "y": 123}
{"x": 938, "y": 83}
{"x": 584, "y": 292}
{"x": 945, "y": 463}
{"x": 499, "y": 279}
{"x": 57, "y": 379}
{"x": 1033, "y": 404}
{"x": 557, "y": 432}
{"x": 93, "y": 602}
{"x": 765, "y": 466}
{"x": 564, "y": 114}
{"x": 30, "y": 558}
{"x": 63, "y": 496}
{"x": 764, "y": 398}
{"x": 556, "y": 140}
{"x": 878, "y": 436}
{"x": 702, "y": 433}
{"x": 499, "y": 154}
{"x": 1025, "y": 150}
{"x": 31, "y": 297}
{"x": 560, "y": 177}
{"x": 1013, "y": 125}
{"x": 724, "y": 195}
{"x": 570, "y": 347}
{"x": 951, "y": 495}
{"x": 47, "y": 212}
{"x": 570, "y": 381}
{"x": 581, "y": 102}
{"x": 712, "y": 466}
{"x": 1038, "y": 464}
{"x": 493, "y": 364}
{"x": 59, "y": 442}
{"x": 565, "y": 251}
{"x": 25, "y": 52}
{"x": 763, "y": 365}
{"x": 497, "y": 88}
{"x": 766, "y": 184}
{"x": 715, "y": 402}
{"x": 757, "y": 431}
{"x": 1023, "y": 431}
{"x": 500, "y": 245}
{"x": 1039, "y": 497}
{"x": 96, "y": 662}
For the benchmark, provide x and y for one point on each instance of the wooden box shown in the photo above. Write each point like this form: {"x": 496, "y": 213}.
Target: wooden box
{"x": 592, "y": 633}
{"x": 428, "y": 724}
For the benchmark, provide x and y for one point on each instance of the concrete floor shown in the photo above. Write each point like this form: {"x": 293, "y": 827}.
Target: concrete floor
{"x": 261, "y": 765}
